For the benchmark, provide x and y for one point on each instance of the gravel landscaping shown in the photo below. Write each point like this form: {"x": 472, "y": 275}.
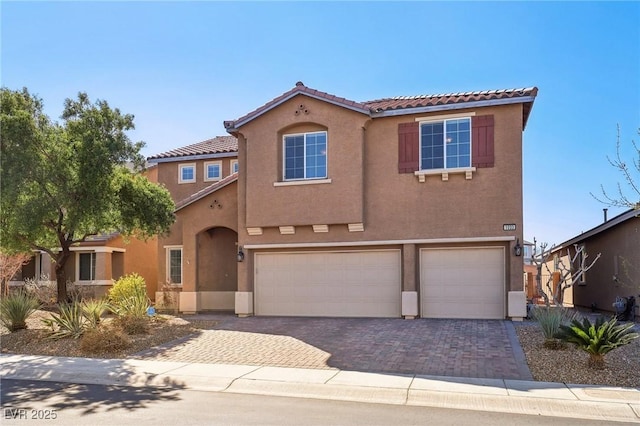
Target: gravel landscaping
{"x": 568, "y": 365}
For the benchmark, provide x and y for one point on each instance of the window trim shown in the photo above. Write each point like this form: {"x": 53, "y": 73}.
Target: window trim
{"x": 93, "y": 266}
{"x": 284, "y": 156}
{"x": 445, "y": 169}
{"x": 184, "y": 166}
{"x": 233, "y": 163}
{"x": 168, "y": 250}
{"x": 206, "y": 170}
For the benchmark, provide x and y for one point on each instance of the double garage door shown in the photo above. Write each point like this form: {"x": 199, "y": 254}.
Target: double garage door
{"x": 454, "y": 283}
{"x": 342, "y": 284}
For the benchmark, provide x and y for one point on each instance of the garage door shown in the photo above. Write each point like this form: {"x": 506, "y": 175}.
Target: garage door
{"x": 462, "y": 283}
{"x": 344, "y": 284}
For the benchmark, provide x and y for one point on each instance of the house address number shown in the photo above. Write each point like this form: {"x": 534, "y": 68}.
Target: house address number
{"x": 509, "y": 227}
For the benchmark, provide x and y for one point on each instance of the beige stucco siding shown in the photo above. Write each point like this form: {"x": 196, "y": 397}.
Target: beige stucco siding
{"x": 340, "y": 201}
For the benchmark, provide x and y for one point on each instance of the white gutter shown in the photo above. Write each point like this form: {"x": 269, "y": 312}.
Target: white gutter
{"x": 448, "y": 107}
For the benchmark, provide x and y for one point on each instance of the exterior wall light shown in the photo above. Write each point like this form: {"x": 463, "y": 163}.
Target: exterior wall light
{"x": 517, "y": 250}
{"x": 240, "y": 254}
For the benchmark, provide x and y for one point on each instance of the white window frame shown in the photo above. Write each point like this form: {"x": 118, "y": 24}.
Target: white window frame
{"x": 184, "y": 166}
{"x": 284, "y": 157}
{"x": 169, "y": 249}
{"x": 445, "y": 169}
{"x": 206, "y": 171}
{"x": 94, "y": 261}
{"x": 234, "y": 163}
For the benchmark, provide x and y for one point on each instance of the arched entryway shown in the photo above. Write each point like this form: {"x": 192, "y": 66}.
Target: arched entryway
{"x": 217, "y": 270}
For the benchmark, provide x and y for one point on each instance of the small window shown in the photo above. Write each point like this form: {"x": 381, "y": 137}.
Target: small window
{"x": 235, "y": 166}
{"x": 186, "y": 173}
{"x": 212, "y": 170}
{"x": 174, "y": 265}
{"x": 87, "y": 268}
{"x": 445, "y": 144}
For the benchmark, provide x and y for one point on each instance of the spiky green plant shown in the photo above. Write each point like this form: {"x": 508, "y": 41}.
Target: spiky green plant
{"x": 597, "y": 339}
{"x": 550, "y": 319}
{"x": 70, "y": 322}
{"x": 93, "y": 309}
{"x": 16, "y": 308}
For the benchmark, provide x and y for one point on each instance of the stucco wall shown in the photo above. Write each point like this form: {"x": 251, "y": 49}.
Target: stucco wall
{"x": 167, "y": 175}
{"x": 366, "y": 186}
{"x": 620, "y": 248}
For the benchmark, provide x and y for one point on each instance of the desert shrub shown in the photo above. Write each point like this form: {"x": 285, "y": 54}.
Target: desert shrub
{"x": 104, "y": 339}
{"x": 597, "y": 339}
{"x": 94, "y": 309}
{"x": 16, "y": 308}
{"x": 133, "y": 324}
{"x": 126, "y": 287}
{"x": 70, "y": 322}
{"x": 42, "y": 289}
{"x": 550, "y": 320}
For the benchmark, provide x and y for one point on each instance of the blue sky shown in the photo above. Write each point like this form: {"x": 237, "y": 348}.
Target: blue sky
{"x": 183, "y": 68}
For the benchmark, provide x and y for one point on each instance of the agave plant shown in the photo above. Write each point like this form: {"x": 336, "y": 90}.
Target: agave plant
{"x": 550, "y": 319}
{"x": 93, "y": 309}
{"x": 71, "y": 322}
{"x": 16, "y": 308}
{"x": 597, "y": 339}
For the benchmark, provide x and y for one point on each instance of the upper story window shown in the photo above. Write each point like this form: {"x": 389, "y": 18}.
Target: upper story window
{"x": 87, "y": 266}
{"x": 305, "y": 156}
{"x": 212, "y": 170}
{"x": 445, "y": 144}
{"x": 235, "y": 166}
{"x": 187, "y": 173}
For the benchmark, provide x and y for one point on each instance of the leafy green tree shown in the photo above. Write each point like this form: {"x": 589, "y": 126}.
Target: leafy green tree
{"x": 62, "y": 183}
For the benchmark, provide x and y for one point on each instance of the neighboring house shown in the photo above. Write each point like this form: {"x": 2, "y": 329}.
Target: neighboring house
{"x": 615, "y": 274}
{"x": 197, "y": 260}
{"x": 95, "y": 263}
{"x": 406, "y": 206}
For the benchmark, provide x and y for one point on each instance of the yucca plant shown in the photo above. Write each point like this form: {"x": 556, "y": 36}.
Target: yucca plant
{"x": 550, "y": 320}
{"x": 70, "y": 322}
{"x": 597, "y": 339}
{"x": 16, "y": 308}
{"x": 93, "y": 309}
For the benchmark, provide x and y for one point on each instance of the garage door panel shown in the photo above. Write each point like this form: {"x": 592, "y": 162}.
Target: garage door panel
{"x": 462, "y": 283}
{"x": 364, "y": 283}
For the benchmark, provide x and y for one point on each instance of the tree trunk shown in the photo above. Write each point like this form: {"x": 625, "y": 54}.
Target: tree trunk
{"x": 596, "y": 361}
{"x": 61, "y": 275}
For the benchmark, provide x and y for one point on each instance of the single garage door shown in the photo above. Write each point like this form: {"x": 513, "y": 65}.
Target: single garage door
{"x": 462, "y": 283}
{"x": 342, "y": 284}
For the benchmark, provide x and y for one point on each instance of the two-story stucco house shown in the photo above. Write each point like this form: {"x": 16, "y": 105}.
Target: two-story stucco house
{"x": 321, "y": 206}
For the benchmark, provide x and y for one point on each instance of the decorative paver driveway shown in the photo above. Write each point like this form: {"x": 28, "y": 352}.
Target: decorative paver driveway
{"x": 461, "y": 348}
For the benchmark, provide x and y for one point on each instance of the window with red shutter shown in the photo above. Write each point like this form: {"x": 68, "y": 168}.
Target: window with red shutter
{"x": 408, "y": 147}
{"x": 482, "y": 142}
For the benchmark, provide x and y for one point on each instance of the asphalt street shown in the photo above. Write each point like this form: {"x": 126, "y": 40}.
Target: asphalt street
{"x": 42, "y": 402}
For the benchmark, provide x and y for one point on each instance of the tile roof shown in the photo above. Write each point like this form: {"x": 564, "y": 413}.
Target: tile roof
{"x": 399, "y": 104}
{"x": 206, "y": 191}
{"x": 216, "y": 145}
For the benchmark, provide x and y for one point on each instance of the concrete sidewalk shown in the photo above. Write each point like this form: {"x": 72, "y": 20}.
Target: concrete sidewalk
{"x": 497, "y": 395}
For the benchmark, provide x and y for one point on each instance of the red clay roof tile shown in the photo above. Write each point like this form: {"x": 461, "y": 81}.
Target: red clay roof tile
{"x": 398, "y": 103}
{"x": 216, "y": 145}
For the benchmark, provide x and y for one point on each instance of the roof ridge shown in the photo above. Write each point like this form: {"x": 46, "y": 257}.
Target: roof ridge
{"x": 206, "y": 191}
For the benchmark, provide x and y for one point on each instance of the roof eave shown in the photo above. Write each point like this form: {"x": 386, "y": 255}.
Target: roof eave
{"x": 454, "y": 106}
{"x": 235, "y": 125}
{"x": 193, "y": 157}
{"x": 221, "y": 184}
{"x": 600, "y": 228}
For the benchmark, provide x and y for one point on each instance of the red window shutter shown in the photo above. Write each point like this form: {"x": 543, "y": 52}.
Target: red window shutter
{"x": 482, "y": 141}
{"x": 408, "y": 147}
